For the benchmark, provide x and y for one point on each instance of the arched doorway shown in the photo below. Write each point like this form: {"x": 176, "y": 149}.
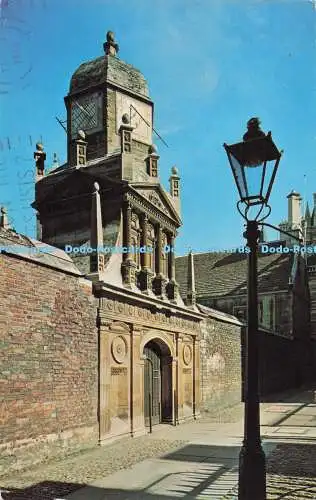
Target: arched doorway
{"x": 157, "y": 383}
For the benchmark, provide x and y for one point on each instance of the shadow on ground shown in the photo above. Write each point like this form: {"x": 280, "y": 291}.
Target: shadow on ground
{"x": 197, "y": 471}
{"x": 193, "y": 469}
{"x": 305, "y": 396}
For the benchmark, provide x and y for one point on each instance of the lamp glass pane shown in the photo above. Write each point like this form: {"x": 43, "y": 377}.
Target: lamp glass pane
{"x": 270, "y": 165}
{"x": 239, "y": 178}
{"x": 253, "y": 176}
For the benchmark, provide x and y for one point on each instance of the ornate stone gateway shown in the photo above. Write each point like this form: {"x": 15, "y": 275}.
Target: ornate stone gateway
{"x": 148, "y": 362}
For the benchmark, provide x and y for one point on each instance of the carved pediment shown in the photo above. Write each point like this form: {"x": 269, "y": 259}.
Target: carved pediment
{"x": 119, "y": 326}
{"x": 158, "y": 198}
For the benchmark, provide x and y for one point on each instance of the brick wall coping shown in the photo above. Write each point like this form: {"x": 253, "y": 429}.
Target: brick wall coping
{"x": 45, "y": 261}
{"x": 222, "y": 316}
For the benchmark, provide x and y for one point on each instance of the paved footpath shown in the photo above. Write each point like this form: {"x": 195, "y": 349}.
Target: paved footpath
{"x": 197, "y": 460}
{"x": 207, "y": 466}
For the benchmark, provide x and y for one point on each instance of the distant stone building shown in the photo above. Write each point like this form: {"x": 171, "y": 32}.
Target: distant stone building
{"x": 284, "y": 308}
{"x": 303, "y": 226}
{"x": 221, "y": 283}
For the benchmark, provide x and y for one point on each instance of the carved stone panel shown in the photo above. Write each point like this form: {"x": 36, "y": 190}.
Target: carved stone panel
{"x": 119, "y": 392}
{"x": 133, "y": 313}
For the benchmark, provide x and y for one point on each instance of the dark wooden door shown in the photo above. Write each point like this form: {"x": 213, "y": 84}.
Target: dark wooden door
{"x": 152, "y": 385}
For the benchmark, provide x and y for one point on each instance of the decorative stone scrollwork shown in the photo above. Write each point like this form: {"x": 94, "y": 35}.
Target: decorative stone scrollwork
{"x": 187, "y": 354}
{"x": 119, "y": 349}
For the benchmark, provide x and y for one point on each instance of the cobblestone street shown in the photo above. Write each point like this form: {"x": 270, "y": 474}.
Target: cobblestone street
{"x": 55, "y": 480}
{"x": 195, "y": 460}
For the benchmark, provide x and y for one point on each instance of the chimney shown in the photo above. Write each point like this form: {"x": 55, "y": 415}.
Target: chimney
{"x": 294, "y": 210}
{"x": 4, "y": 222}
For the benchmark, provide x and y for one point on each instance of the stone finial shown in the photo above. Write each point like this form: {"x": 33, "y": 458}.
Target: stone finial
{"x": 4, "y": 222}
{"x": 81, "y": 135}
{"x": 191, "y": 293}
{"x": 110, "y": 47}
{"x": 126, "y": 134}
{"x": 40, "y": 157}
{"x": 152, "y": 161}
{"x": 174, "y": 182}
{"x": 153, "y": 150}
{"x": 174, "y": 188}
{"x": 126, "y": 119}
{"x": 96, "y": 237}
{"x": 81, "y": 149}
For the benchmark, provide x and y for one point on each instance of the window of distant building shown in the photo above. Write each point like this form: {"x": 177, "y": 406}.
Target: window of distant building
{"x": 266, "y": 312}
{"x": 240, "y": 312}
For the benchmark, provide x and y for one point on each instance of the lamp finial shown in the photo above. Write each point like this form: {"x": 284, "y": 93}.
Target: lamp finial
{"x": 253, "y": 130}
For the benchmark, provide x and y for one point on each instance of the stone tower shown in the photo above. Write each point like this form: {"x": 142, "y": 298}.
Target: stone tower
{"x": 310, "y": 221}
{"x": 294, "y": 223}
{"x": 109, "y": 142}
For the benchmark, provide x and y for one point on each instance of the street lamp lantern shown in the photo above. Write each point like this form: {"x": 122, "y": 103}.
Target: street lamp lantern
{"x": 254, "y": 163}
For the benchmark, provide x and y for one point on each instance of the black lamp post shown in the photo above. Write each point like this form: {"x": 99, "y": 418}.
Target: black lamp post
{"x": 254, "y": 163}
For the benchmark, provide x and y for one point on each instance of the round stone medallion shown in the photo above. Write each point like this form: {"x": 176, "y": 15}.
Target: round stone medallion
{"x": 187, "y": 354}
{"x": 119, "y": 349}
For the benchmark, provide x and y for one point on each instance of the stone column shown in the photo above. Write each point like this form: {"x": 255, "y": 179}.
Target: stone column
{"x": 127, "y": 219}
{"x": 104, "y": 381}
{"x": 128, "y": 265}
{"x": 196, "y": 378}
{"x": 172, "y": 287}
{"x": 180, "y": 378}
{"x": 175, "y": 390}
{"x": 159, "y": 280}
{"x": 159, "y": 245}
{"x": 145, "y": 275}
{"x": 137, "y": 387}
{"x": 144, "y": 224}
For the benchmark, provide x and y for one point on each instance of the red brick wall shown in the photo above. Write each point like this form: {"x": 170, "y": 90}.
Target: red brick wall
{"x": 49, "y": 363}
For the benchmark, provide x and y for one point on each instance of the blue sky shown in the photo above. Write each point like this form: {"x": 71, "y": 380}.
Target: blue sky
{"x": 210, "y": 65}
